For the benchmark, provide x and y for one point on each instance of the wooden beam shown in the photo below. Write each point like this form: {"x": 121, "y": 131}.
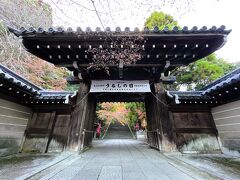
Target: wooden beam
{"x": 68, "y": 65}
{"x": 196, "y": 130}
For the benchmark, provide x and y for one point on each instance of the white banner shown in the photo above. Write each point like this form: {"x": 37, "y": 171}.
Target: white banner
{"x": 120, "y": 86}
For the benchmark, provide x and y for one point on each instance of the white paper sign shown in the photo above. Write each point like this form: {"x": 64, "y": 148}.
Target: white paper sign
{"x": 120, "y": 86}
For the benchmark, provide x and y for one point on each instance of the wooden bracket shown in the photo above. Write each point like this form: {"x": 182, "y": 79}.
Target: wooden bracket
{"x": 166, "y": 66}
{"x": 120, "y": 67}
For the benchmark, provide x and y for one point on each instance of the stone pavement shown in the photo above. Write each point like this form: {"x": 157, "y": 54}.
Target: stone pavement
{"x": 121, "y": 159}
{"x": 222, "y": 166}
{"x": 24, "y": 165}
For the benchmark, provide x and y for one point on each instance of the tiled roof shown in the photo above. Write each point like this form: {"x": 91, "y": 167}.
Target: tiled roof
{"x": 13, "y": 78}
{"x": 186, "y": 93}
{"x": 36, "y": 92}
{"x": 56, "y": 95}
{"x": 206, "y": 94}
{"x": 189, "y": 94}
{"x": 232, "y": 77}
{"x": 159, "y": 51}
{"x": 175, "y": 30}
{"x": 191, "y": 97}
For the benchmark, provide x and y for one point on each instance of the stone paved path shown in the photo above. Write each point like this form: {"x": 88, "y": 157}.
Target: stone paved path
{"x": 121, "y": 160}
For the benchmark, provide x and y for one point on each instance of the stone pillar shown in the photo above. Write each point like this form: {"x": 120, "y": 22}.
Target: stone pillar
{"x": 81, "y": 116}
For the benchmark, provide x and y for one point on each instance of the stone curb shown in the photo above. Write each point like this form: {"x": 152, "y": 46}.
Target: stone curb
{"x": 42, "y": 168}
{"x": 180, "y": 164}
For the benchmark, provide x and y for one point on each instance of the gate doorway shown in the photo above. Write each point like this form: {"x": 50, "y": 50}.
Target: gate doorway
{"x": 121, "y": 120}
{"x": 119, "y": 115}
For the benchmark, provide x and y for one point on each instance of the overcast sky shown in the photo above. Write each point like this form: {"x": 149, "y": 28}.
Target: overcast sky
{"x": 133, "y": 13}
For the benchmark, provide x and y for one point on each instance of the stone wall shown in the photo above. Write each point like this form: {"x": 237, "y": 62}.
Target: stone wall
{"x": 13, "y": 122}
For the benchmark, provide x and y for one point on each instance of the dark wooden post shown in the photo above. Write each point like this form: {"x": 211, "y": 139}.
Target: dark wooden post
{"x": 81, "y": 115}
{"x": 162, "y": 119}
{"x": 77, "y": 117}
{"x": 89, "y": 122}
{"x": 158, "y": 117}
{"x": 53, "y": 122}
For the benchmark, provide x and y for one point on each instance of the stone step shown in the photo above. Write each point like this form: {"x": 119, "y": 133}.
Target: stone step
{"x": 118, "y": 131}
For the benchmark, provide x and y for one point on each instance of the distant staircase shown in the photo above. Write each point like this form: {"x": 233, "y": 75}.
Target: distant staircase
{"x": 118, "y": 131}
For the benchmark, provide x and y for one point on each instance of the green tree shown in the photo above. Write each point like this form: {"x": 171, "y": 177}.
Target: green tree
{"x": 72, "y": 87}
{"x": 200, "y": 73}
{"x": 197, "y": 74}
{"x": 160, "y": 20}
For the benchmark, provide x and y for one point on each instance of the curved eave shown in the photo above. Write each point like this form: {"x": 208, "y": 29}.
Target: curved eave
{"x": 212, "y": 41}
{"x": 161, "y": 51}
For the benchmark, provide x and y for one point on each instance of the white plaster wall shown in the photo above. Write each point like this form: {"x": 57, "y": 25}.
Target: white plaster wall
{"x": 13, "y": 122}
{"x": 227, "y": 120}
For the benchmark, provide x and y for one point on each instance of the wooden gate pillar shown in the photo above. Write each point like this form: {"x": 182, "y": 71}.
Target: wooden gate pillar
{"x": 158, "y": 113}
{"x": 82, "y": 117}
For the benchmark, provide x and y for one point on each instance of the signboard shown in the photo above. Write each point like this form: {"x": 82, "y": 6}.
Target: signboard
{"x": 120, "y": 86}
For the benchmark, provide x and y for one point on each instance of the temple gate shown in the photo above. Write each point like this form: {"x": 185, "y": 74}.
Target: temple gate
{"x": 176, "y": 121}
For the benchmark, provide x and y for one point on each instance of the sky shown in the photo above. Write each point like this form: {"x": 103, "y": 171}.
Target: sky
{"x": 133, "y": 13}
